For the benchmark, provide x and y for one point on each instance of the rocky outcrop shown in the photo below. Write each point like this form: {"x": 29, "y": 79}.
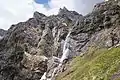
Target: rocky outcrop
{"x": 31, "y": 48}
{"x": 2, "y": 33}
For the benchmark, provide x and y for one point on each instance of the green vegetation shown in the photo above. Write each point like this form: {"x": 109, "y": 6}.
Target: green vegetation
{"x": 100, "y": 64}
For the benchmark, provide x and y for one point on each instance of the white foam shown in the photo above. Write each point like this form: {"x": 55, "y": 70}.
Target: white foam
{"x": 44, "y": 76}
{"x": 65, "y": 55}
{"x": 66, "y": 42}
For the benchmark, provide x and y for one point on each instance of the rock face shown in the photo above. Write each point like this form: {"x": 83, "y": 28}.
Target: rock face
{"x": 2, "y": 32}
{"x": 31, "y": 48}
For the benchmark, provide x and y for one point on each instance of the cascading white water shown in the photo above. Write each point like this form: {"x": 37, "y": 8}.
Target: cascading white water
{"x": 66, "y": 42}
{"x": 66, "y": 53}
{"x": 64, "y": 56}
{"x": 44, "y": 76}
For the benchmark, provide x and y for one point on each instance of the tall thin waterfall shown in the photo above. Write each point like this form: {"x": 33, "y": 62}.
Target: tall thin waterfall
{"x": 65, "y": 55}
{"x": 65, "y": 48}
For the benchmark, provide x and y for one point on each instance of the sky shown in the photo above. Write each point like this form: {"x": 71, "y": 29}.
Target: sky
{"x": 41, "y": 1}
{"x": 14, "y": 11}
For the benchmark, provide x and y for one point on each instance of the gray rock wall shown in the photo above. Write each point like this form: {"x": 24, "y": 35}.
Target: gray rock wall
{"x": 28, "y": 47}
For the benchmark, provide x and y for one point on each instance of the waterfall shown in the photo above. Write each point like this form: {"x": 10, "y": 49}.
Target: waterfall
{"x": 65, "y": 55}
{"x": 66, "y": 48}
{"x": 66, "y": 42}
{"x": 44, "y": 76}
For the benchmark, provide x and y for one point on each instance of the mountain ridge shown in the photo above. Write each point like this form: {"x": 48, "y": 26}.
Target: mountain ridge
{"x": 47, "y": 44}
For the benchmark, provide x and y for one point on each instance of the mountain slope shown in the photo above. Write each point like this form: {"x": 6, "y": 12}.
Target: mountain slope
{"x": 96, "y": 65}
{"x": 44, "y": 46}
{"x": 2, "y": 33}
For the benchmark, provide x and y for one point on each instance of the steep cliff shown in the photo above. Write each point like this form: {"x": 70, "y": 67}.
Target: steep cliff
{"x": 43, "y": 47}
{"x": 2, "y": 33}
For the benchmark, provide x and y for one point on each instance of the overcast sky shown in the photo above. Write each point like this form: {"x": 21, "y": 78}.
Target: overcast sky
{"x": 14, "y": 11}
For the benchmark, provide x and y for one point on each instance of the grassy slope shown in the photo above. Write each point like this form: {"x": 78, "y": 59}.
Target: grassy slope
{"x": 96, "y": 65}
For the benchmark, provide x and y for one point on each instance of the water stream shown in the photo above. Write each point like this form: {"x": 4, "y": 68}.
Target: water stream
{"x": 64, "y": 56}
